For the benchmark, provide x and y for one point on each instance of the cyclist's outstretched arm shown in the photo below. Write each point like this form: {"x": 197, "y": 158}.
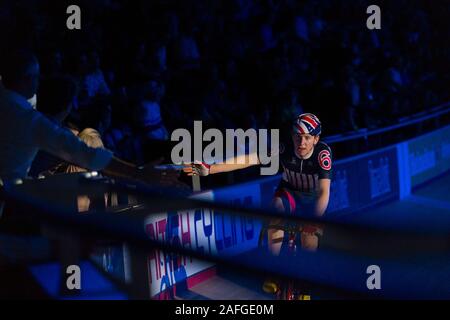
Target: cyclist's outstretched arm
{"x": 236, "y": 163}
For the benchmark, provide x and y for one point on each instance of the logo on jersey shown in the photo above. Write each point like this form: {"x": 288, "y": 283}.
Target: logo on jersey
{"x": 325, "y": 159}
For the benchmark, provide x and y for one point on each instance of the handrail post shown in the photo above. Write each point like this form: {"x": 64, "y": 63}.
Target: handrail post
{"x": 196, "y": 183}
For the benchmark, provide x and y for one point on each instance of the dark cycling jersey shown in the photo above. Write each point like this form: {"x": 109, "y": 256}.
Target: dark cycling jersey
{"x": 303, "y": 175}
{"x": 299, "y": 185}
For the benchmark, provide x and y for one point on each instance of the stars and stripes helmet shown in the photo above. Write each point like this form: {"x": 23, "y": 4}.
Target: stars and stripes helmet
{"x": 307, "y": 123}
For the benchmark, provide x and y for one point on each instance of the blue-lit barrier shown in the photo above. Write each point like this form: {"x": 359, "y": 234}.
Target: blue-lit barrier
{"x": 423, "y": 158}
{"x": 202, "y": 230}
{"x": 363, "y": 181}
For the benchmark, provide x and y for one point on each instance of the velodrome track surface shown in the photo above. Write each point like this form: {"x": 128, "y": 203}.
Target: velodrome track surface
{"x": 428, "y": 207}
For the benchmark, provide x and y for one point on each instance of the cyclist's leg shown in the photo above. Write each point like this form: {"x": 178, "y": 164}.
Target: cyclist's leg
{"x": 310, "y": 242}
{"x": 310, "y": 237}
{"x": 275, "y": 235}
{"x": 274, "y": 241}
{"x": 283, "y": 202}
{"x": 309, "y": 232}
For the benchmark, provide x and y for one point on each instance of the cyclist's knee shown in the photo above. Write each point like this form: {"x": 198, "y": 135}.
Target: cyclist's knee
{"x": 310, "y": 242}
{"x": 284, "y": 201}
{"x": 277, "y": 204}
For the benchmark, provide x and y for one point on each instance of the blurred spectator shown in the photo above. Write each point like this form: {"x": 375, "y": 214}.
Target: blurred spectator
{"x": 148, "y": 112}
{"x": 94, "y": 80}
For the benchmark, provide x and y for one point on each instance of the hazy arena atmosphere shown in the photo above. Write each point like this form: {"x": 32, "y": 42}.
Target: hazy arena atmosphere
{"x": 228, "y": 150}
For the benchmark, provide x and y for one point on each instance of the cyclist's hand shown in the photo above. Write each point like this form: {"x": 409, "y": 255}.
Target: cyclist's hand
{"x": 197, "y": 169}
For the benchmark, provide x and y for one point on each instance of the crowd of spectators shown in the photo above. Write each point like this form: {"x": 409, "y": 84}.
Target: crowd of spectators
{"x": 145, "y": 68}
